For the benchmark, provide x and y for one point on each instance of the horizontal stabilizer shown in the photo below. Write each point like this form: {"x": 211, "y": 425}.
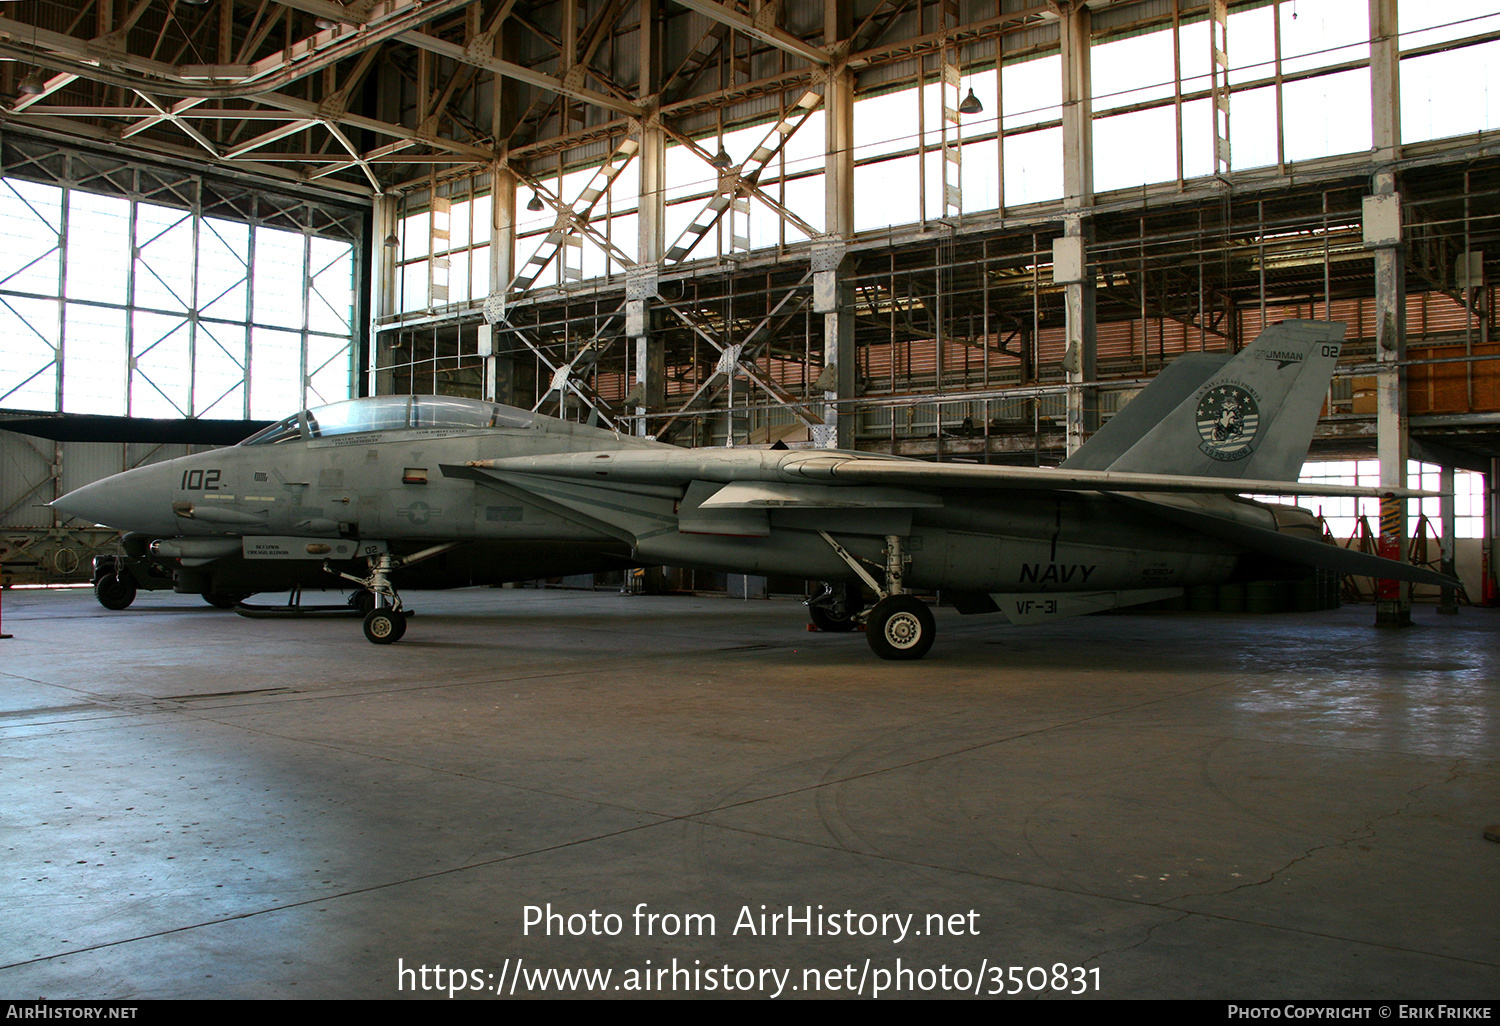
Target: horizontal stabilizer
{"x": 1306, "y": 551}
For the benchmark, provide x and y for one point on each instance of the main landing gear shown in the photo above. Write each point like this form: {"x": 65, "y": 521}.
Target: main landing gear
{"x": 385, "y": 620}
{"x": 898, "y": 626}
{"x": 385, "y": 617}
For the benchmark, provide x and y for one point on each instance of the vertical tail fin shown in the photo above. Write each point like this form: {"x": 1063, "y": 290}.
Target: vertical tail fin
{"x": 1252, "y": 416}
{"x": 1177, "y": 380}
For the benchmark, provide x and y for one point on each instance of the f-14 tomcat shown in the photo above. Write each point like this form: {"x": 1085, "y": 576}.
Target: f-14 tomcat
{"x": 488, "y": 493}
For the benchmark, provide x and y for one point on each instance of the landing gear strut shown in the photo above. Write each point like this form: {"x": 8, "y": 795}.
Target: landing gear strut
{"x": 385, "y": 623}
{"x": 899, "y": 626}
{"x": 385, "y": 618}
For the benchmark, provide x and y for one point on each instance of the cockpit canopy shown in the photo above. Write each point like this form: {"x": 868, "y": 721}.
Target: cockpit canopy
{"x": 391, "y": 413}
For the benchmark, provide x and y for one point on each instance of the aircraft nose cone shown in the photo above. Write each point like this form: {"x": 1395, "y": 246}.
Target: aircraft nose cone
{"x": 91, "y": 503}
{"x": 132, "y": 501}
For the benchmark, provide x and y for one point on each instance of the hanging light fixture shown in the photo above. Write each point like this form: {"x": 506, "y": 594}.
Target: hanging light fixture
{"x": 392, "y": 240}
{"x": 32, "y": 85}
{"x": 535, "y": 203}
{"x": 722, "y": 159}
{"x": 971, "y": 104}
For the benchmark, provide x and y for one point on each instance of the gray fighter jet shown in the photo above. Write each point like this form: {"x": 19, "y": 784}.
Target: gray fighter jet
{"x": 441, "y": 491}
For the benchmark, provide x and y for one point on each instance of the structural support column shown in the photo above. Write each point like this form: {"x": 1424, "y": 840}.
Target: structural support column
{"x": 1448, "y": 597}
{"x": 1070, "y": 269}
{"x": 648, "y": 390}
{"x": 502, "y": 227}
{"x": 649, "y": 369}
{"x": 498, "y": 372}
{"x": 648, "y": 386}
{"x": 833, "y": 293}
{"x": 383, "y": 225}
{"x": 1382, "y": 234}
{"x": 833, "y": 298}
{"x": 1489, "y": 592}
{"x": 1385, "y": 81}
{"x": 1077, "y": 105}
{"x": 1070, "y": 266}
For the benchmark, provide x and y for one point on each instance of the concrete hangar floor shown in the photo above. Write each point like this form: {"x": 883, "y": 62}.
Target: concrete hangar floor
{"x": 1153, "y": 805}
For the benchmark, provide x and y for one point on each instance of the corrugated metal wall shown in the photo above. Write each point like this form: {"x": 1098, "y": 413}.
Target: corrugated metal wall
{"x": 37, "y": 544}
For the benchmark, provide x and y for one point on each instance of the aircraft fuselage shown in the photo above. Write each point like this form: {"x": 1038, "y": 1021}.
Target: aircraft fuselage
{"x": 389, "y": 485}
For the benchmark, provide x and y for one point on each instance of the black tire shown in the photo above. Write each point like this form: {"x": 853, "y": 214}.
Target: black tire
{"x": 225, "y": 599}
{"x": 900, "y": 627}
{"x": 837, "y": 612}
{"x": 384, "y": 626}
{"x": 115, "y": 591}
{"x": 363, "y": 600}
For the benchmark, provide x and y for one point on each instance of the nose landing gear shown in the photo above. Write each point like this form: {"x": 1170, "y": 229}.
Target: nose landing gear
{"x": 116, "y": 590}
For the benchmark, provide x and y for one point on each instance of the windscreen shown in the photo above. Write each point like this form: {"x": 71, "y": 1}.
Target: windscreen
{"x": 392, "y": 413}
{"x": 287, "y": 430}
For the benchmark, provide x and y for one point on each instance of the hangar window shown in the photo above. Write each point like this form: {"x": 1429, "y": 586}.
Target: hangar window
{"x": 110, "y": 304}
{"x": 1351, "y": 518}
{"x": 1298, "y": 84}
{"x": 443, "y": 251}
{"x": 1448, "y": 68}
